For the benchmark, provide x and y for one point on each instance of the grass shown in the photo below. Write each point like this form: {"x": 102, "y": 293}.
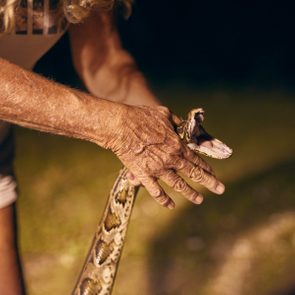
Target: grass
{"x": 240, "y": 243}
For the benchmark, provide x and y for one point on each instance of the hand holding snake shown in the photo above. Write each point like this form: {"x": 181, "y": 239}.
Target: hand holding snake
{"x": 151, "y": 149}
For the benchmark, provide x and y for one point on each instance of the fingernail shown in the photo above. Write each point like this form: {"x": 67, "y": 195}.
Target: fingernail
{"x": 199, "y": 200}
{"x": 220, "y": 188}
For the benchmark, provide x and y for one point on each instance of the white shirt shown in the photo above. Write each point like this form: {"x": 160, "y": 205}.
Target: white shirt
{"x": 39, "y": 25}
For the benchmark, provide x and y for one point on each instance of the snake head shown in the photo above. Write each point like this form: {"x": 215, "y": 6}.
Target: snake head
{"x": 199, "y": 140}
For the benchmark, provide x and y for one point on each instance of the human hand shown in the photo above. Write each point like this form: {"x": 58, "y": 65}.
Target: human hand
{"x": 150, "y": 148}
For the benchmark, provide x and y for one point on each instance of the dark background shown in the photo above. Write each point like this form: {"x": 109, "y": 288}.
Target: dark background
{"x": 205, "y": 42}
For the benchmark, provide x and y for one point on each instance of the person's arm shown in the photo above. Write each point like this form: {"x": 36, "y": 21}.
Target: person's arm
{"x": 143, "y": 138}
{"x": 11, "y": 282}
{"x": 106, "y": 69}
{"x": 32, "y": 101}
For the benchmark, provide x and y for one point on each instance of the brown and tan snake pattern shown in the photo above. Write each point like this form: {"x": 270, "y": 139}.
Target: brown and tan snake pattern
{"x": 98, "y": 274}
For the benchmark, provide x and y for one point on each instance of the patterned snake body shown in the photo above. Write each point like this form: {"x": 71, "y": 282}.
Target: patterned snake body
{"x": 98, "y": 274}
{"x": 100, "y": 267}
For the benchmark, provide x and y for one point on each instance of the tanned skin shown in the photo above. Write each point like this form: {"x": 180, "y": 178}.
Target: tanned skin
{"x": 142, "y": 137}
{"x": 107, "y": 70}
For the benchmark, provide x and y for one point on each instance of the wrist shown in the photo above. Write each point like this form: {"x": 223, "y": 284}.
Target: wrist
{"x": 106, "y": 122}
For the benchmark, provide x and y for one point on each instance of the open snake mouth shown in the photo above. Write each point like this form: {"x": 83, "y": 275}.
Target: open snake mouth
{"x": 199, "y": 140}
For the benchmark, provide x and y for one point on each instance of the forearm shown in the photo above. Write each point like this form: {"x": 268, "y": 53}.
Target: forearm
{"x": 120, "y": 81}
{"x": 31, "y": 101}
{"x": 106, "y": 69}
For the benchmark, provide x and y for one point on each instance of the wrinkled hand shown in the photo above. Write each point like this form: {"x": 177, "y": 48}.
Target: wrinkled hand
{"x": 150, "y": 148}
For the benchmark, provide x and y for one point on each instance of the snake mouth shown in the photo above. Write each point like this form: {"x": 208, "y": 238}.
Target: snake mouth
{"x": 206, "y": 144}
{"x": 201, "y": 141}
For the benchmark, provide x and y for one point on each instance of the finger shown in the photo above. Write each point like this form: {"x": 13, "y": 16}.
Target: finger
{"x": 179, "y": 185}
{"x": 197, "y": 160}
{"x": 199, "y": 175}
{"x": 131, "y": 178}
{"x": 155, "y": 190}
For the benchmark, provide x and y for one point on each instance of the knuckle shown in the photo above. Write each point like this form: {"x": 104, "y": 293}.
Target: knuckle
{"x": 138, "y": 149}
{"x": 179, "y": 185}
{"x": 205, "y": 178}
{"x": 155, "y": 192}
{"x": 197, "y": 160}
{"x": 180, "y": 164}
{"x": 188, "y": 153}
{"x": 173, "y": 161}
{"x": 162, "y": 199}
{"x": 164, "y": 110}
{"x": 177, "y": 146}
{"x": 197, "y": 174}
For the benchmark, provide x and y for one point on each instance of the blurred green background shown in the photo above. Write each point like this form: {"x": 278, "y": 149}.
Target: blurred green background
{"x": 240, "y": 243}
{"x": 236, "y": 60}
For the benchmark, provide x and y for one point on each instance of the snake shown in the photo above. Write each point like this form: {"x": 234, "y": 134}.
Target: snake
{"x": 99, "y": 270}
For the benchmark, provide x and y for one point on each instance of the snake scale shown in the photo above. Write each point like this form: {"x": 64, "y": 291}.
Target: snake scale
{"x": 99, "y": 271}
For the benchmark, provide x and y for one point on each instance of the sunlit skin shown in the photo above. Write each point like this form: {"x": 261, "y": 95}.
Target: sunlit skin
{"x": 120, "y": 113}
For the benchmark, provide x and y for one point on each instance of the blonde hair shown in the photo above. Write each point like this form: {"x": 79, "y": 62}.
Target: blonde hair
{"x": 74, "y": 10}
{"x": 7, "y": 14}
{"x": 77, "y": 10}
